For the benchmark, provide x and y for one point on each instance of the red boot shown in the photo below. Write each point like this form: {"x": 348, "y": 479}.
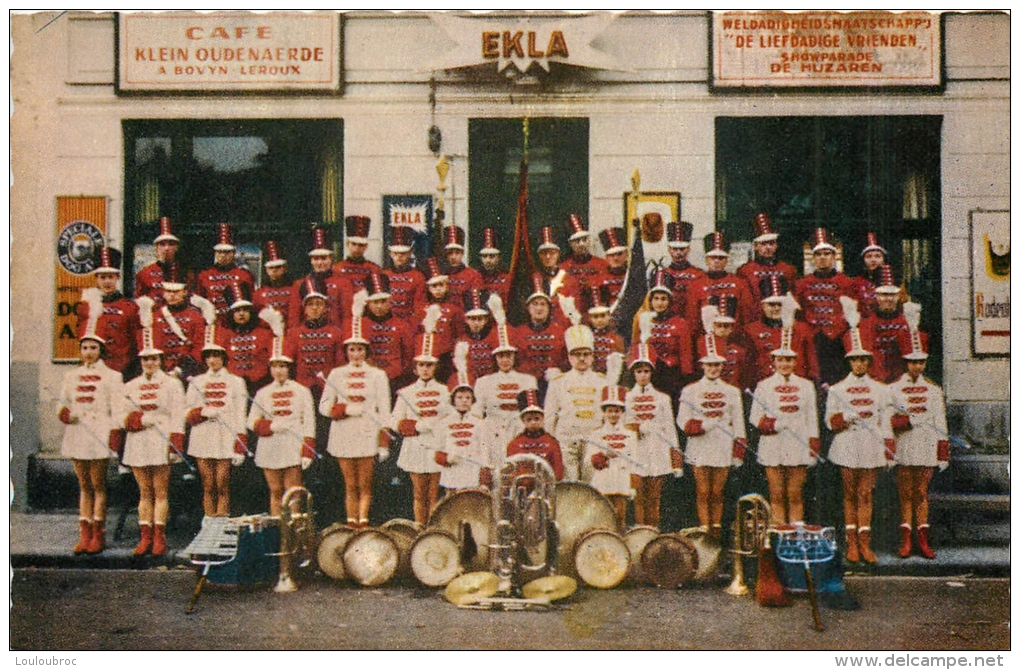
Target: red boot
{"x": 853, "y": 554}
{"x": 98, "y": 541}
{"x": 864, "y": 540}
{"x": 922, "y": 541}
{"x": 84, "y": 536}
{"x": 159, "y": 540}
{"x": 904, "y": 540}
{"x": 145, "y": 543}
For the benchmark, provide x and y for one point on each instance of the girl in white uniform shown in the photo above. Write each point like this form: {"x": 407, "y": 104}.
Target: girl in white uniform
{"x": 283, "y": 417}
{"x": 90, "y": 406}
{"x": 154, "y": 420}
{"x": 462, "y": 457}
{"x": 356, "y": 398}
{"x": 611, "y": 449}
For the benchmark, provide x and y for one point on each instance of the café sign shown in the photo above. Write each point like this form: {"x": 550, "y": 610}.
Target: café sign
{"x": 835, "y": 49}
{"x": 228, "y": 51}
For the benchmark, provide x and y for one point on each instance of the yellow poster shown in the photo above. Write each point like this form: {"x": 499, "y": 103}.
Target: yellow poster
{"x": 81, "y": 228}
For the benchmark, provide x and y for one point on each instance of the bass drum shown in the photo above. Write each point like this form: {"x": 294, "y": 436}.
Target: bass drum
{"x": 371, "y": 557}
{"x": 636, "y": 539}
{"x": 669, "y": 560}
{"x": 435, "y": 558}
{"x": 580, "y": 509}
{"x": 601, "y": 559}
{"x": 332, "y": 542}
{"x": 709, "y": 553}
{"x": 403, "y": 532}
{"x": 466, "y": 515}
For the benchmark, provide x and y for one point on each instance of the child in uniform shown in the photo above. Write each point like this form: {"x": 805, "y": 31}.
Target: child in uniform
{"x": 612, "y": 447}
{"x": 462, "y": 457}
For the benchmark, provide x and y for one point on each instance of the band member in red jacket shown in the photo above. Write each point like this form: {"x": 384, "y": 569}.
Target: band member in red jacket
{"x": 390, "y": 338}
{"x": 354, "y": 268}
{"x": 874, "y": 257}
{"x": 407, "y": 283}
{"x": 585, "y": 268}
{"x": 149, "y": 280}
{"x": 606, "y": 339}
{"x": 717, "y": 281}
{"x": 338, "y": 290}
{"x": 178, "y": 329}
{"x": 534, "y": 440}
{"x": 118, "y": 324}
{"x": 278, "y": 289}
{"x": 494, "y": 279}
{"x": 224, "y": 272}
{"x": 889, "y": 329}
{"x": 669, "y": 337}
{"x": 540, "y": 340}
{"x": 479, "y": 334}
{"x": 462, "y": 278}
{"x": 777, "y": 307}
{"x": 681, "y": 273}
{"x": 559, "y": 281}
{"x": 247, "y": 339}
{"x": 450, "y": 323}
{"x": 315, "y": 345}
{"x": 766, "y": 263}
{"x": 614, "y": 242}
{"x": 717, "y": 319}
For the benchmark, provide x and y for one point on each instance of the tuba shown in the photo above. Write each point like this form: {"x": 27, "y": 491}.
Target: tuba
{"x": 523, "y": 530}
{"x": 298, "y": 538}
{"x": 750, "y": 534}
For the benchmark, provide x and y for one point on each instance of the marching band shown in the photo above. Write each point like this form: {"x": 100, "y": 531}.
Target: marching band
{"x": 353, "y": 360}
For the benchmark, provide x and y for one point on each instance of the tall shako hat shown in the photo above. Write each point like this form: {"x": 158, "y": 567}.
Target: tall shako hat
{"x": 726, "y": 306}
{"x": 716, "y": 244}
{"x": 165, "y": 231}
{"x": 401, "y": 239}
{"x": 172, "y": 279}
{"x": 224, "y": 238}
{"x": 918, "y": 340}
{"x": 209, "y": 316}
{"x": 475, "y": 302}
{"x": 273, "y": 256}
{"x": 237, "y": 294}
{"x": 640, "y": 352}
{"x": 276, "y": 325}
{"x": 599, "y": 298}
{"x": 321, "y": 244}
{"x": 148, "y": 348}
{"x": 454, "y": 236}
{"x": 433, "y": 271}
{"x": 761, "y": 226}
{"x": 495, "y": 304}
{"x": 355, "y": 331}
{"x": 787, "y": 315}
{"x": 852, "y": 339}
{"x": 578, "y": 335}
{"x": 661, "y": 282}
{"x": 886, "y": 280}
{"x": 489, "y": 245}
{"x": 356, "y": 229}
{"x": 461, "y": 378}
{"x": 709, "y": 313}
{"x": 679, "y": 234}
{"x": 772, "y": 287}
{"x": 612, "y": 392}
{"x": 821, "y": 239}
{"x": 575, "y": 228}
{"x": 614, "y": 240}
{"x": 539, "y": 287}
{"x": 106, "y": 259}
{"x": 527, "y": 401}
{"x": 377, "y": 285}
{"x": 425, "y": 341}
{"x": 871, "y": 244}
{"x": 548, "y": 239}
{"x": 94, "y": 299}
{"x": 312, "y": 287}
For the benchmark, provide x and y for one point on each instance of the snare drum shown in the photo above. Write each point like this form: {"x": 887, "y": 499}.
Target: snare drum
{"x": 601, "y": 559}
{"x": 435, "y": 558}
{"x": 333, "y": 540}
{"x": 669, "y": 560}
{"x": 797, "y": 545}
{"x": 371, "y": 557}
{"x": 636, "y": 539}
{"x": 580, "y": 508}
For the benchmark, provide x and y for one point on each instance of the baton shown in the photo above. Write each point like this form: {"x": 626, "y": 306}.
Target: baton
{"x": 615, "y": 453}
{"x": 286, "y": 429}
{"x": 88, "y": 430}
{"x": 862, "y": 422}
{"x": 237, "y": 440}
{"x": 343, "y": 396}
{"x": 797, "y": 435}
{"x": 931, "y": 424}
{"x": 163, "y": 435}
{"x": 725, "y": 432}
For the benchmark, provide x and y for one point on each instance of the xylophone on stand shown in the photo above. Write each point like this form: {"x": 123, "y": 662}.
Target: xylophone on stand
{"x": 240, "y": 551}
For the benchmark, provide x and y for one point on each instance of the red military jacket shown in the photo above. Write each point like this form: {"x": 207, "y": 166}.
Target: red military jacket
{"x": 754, "y": 271}
{"x": 462, "y": 280}
{"x": 891, "y": 339}
{"x": 539, "y": 348}
{"x": 480, "y": 361}
{"x": 671, "y": 341}
{"x": 721, "y": 284}
{"x": 314, "y": 346}
{"x": 614, "y": 280}
{"x": 248, "y": 350}
{"x": 765, "y": 336}
{"x": 586, "y": 272}
{"x": 179, "y": 352}
{"x": 607, "y": 341}
{"x": 407, "y": 290}
{"x": 280, "y": 297}
{"x": 354, "y": 272}
{"x": 118, "y": 326}
{"x": 391, "y": 343}
{"x": 540, "y": 444}
{"x": 865, "y": 290}
{"x": 498, "y": 283}
{"x": 339, "y": 296}
{"x": 449, "y": 327}
{"x": 737, "y": 368}
{"x": 149, "y": 280}
{"x": 818, "y": 295}
{"x": 682, "y": 276}
{"x": 212, "y": 282}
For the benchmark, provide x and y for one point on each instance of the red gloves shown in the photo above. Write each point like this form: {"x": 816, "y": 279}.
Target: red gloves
{"x": 263, "y": 427}
{"x": 676, "y": 459}
{"x": 767, "y": 425}
{"x": 693, "y": 427}
{"x": 177, "y": 443}
{"x": 890, "y": 449}
{"x": 65, "y": 416}
{"x": 339, "y": 411}
{"x": 815, "y": 445}
{"x": 133, "y": 422}
{"x": 383, "y": 440}
{"x": 901, "y": 422}
{"x": 440, "y": 457}
{"x": 407, "y": 427}
{"x": 485, "y": 478}
{"x": 942, "y": 453}
{"x": 195, "y": 417}
{"x": 241, "y": 444}
{"x": 739, "y": 449}
{"x": 838, "y": 423}
{"x": 600, "y": 461}
{"x": 116, "y": 441}
{"x": 308, "y": 447}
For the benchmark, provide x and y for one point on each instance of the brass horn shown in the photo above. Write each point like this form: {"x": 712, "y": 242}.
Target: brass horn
{"x": 750, "y": 533}
{"x": 298, "y": 538}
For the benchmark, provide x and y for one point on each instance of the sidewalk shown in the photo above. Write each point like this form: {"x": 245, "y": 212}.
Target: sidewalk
{"x": 45, "y": 539}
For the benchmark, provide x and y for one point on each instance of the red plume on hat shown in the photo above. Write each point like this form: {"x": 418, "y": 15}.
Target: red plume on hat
{"x": 321, "y": 244}
{"x": 527, "y": 401}
{"x": 599, "y": 298}
{"x": 489, "y": 244}
{"x": 454, "y": 236}
{"x": 772, "y": 287}
{"x": 432, "y": 270}
{"x": 106, "y": 259}
{"x": 548, "y": 239}
{"x": 716, "y": 244}
{"x": 886, "y": 280}
{"x": 871, "y": 244}
{"x": 237, "y": 294}
{"x": 401, "y": 239}
{"x": 377, "y": 285}
{"x": 614, "y": 240}
{"x": 821, "y": 239}
{"x": 312, "y": 287}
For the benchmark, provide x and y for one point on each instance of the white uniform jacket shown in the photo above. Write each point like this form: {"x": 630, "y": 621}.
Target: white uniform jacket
{"x": 925, "y": 403}
{"x": 496, "y": 400}
{"x": 160, "y": 399}
{"x": 291, "y": 411}
{"x": 652, "y": 411}
{"x": 221, "y": 397}
{"x": 424, "y": 403}
{"x": 793, "y": 404}
{"x": 865, "y": 406}
{"x": 572, "y": 412}
{"x": 618, "y": 443}
{"x": 365, "y": 389}
{"x": 462, "y": 441}
{"x": 93, "y": 394}
{"x": 717, "y": 406}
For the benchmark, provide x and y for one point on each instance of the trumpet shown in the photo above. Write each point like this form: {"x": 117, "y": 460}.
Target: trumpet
{"x": 297, "y": 536}
{"x": 750, "y": 534}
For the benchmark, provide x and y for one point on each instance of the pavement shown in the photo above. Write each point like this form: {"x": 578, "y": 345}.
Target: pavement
{"x": 45, "y": 539}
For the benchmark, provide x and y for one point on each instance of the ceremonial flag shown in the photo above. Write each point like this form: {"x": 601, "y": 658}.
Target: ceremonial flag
{"x": 522, "y": 264}
{"x": 635, "y": 287}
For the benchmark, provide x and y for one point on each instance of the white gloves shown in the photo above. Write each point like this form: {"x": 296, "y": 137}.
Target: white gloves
{"x": 210, "y": 412}
{"x": 148, "y": 421}
{"x": 306, "y": 462}
{"x": 237, "y": 459}
{"x": 678, "y": 473}
{"x": 382, "y": 455}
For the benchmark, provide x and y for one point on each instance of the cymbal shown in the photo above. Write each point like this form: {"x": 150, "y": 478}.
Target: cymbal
{"x": 471, "y": 587}
{"x": 553, "y": 587}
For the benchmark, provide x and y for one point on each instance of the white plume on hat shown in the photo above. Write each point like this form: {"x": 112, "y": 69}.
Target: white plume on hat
{"x": 206, "y": 307}
{"x": 912, "y": 315}
{"x": 495, "y": 305}
{"x": 460, "y": 355}
{"x": 614, "y": 368}
{"x": 569, "y": 307}
{"x": 274, "y": 319}
{"x": 556, "y": 282}
{"x": 431, "y": 320}
{"x": 788, "y": 310}
{"x": 94, "y": 299}
{"x": 850, "y": 311}
{"x": 645, "y": 326}
{"x": 708, "y": 315}
{"x": 145, "y": 304}
{"x": 358, "y": 303}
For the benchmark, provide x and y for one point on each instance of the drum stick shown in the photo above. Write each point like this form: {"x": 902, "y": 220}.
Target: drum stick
{"x": 768, "y": 410}
{"x": 812, "y": 593}
{"x": 198, "y": 590}
{"x": 164, "y": 436}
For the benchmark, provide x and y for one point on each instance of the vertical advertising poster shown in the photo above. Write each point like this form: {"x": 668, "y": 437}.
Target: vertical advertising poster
{"x": 81, "y": 229}
{"x": 989, "y": 242}
{"x": 415, "y": 212}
